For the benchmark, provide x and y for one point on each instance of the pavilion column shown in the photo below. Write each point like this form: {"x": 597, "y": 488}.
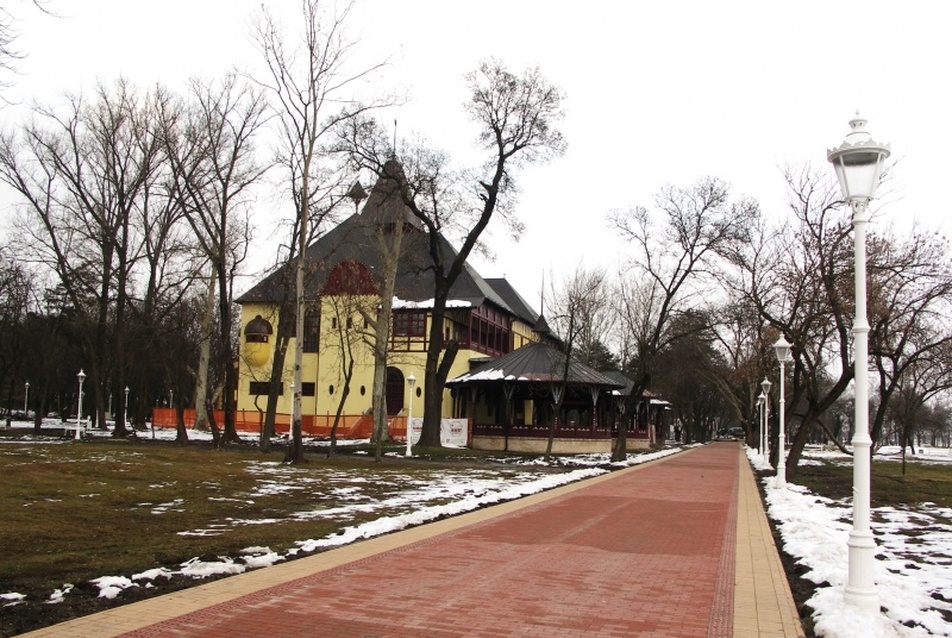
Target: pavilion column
{"x": 595, "y": 391}
{"x": 507, "y": 391}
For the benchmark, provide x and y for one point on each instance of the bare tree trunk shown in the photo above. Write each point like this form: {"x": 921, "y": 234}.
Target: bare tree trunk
{"x": 201, "y": 380}
{"x": 345, "y": 392}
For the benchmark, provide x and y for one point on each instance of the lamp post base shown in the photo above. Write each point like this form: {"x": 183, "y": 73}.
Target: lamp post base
{"x": 861, "y": 589}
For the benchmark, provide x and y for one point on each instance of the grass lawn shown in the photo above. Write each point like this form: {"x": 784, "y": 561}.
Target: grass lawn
{"x": 74, "y": 511}
{"x": 922, "y": 482}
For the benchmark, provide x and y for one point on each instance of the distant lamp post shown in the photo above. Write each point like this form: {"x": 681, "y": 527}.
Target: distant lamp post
{"x": 79, "y": 402}
{"x": 858, "y": 162}
{"x": 760, "y": 416}
{"x": 125, "y": 412}
{"x": 782, "y": 349}
{"x": 411, "y": 382}
{"x": 765, "y": 386}
{"x": 26, "y": 399}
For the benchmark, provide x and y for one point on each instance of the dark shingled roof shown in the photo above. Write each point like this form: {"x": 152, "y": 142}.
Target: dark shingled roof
{"x": 514, "y": 300}
{"x": 354, "y": 239}
{"x": 627, "y": 384}
{"x": 535, "y": 363}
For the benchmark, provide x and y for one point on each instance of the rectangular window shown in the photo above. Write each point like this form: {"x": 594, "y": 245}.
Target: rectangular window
{"x": 312, "y": 330}
{"x": 409, "y": 324}
{"x": 259, "y": 388}
{"x": 307, "y": 389}
{"x": 490, "y": 331}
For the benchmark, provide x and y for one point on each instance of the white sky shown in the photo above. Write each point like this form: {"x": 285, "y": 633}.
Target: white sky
{"x": 658, "y": 92}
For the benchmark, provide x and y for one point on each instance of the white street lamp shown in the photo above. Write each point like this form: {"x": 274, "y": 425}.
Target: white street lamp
{"x": 858, "y": 162}
{"x": 26, "y": 399}
{"x": 79, "y": 402}
{"x": 760, "y": 416}
{"x": 125, "y": 412}
{"x": 782, "y": 349}
{"x": 411, "y": 381}
{"x": 765, "y": 385}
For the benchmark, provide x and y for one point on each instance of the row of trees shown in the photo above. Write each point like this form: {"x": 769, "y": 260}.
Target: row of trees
{"x": 135, "y": 206}
{"x": 133, "y": 217}
{"x": 711, "y": 285}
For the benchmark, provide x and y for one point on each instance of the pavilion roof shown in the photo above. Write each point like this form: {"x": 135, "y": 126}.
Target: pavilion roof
{"x": 535, "y": 363}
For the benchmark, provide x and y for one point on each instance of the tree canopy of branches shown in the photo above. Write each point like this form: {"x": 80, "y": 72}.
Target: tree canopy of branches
{"x": 210, "y": 151}
{"x": 671, "y": 270}
{"x": 84, "y": 179}
{"x": 799, "y": 278}
{"x": 122, "y": 202}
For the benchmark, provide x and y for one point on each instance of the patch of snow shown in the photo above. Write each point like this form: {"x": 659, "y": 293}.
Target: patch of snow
{"x": 197, "y": 568}
{"x": 912, "y": 578}
{"x": 111, "y": 586}
{"x": 59, "y": 595}
{"x": 12, "y": 598}
{"x": 152, "y": 574}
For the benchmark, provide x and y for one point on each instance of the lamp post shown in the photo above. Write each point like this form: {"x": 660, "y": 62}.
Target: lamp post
{"x": 765, "y": 385}
{"x": 79, "y": 402}
{"x": 782, "y": 349}
{"x": 858, "y": 162}
{"x": 411, "y": 381}
{"x": 760, "y": 415}
{"x": 125, "y": 412}
{"x": 26, "y": 399}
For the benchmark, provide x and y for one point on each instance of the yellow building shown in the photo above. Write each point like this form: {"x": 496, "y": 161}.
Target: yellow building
{"x": 345, "y": 270}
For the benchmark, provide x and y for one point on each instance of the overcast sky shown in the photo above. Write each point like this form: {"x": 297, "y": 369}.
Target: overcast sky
{"x": 661, "y": 92}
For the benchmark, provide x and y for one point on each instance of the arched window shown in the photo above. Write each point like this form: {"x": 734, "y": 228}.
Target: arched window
{"x": 396, "y": 387}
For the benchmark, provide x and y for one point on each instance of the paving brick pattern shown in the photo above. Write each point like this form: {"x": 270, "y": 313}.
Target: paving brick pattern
{"x": 649, "y": 552}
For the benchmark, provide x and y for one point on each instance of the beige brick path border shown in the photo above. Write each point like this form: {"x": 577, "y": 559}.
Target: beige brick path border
{"x": 763, "y": 604}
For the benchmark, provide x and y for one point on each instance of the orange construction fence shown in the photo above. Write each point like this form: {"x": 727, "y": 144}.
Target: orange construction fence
{"x": 351, "y": 426}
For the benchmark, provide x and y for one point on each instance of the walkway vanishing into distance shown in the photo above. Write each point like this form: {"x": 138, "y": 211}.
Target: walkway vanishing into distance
{"x": 676, "y": 547}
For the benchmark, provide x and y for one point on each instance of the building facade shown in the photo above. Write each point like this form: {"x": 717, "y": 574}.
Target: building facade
{"x": 345, "y": 268}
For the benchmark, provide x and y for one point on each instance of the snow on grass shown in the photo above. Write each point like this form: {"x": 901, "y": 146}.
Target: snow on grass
{"x": 112, "y": 586}
{"x": 912, "y": 578}
{"x": 11, "y": 598}
{"x": 422, "y": 515}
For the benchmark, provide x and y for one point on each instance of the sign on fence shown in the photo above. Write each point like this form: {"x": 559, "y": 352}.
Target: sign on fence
{"x": 453, "y": 432}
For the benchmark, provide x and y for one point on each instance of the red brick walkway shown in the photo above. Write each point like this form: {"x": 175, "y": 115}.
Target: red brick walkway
{"x": 649, "y": 552}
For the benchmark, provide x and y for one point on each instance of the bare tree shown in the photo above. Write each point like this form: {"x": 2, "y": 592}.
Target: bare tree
{"x": 517, "y": 117}
{"x": 577, "y": 309}
{"x": 9, "y": 53}
{"x": 350, "y": 329}
{"x": 911, "y": 288}
{"x": 16, "y": 285}
{"x": 215, "y": 165}
{"x": 671, "y": 269}
{"x": 306, "y": 85}
{"x": 799, "y": 280}
{"x": 927, "y": 378}
{"x": 745, "y": 345}
{"x": 83, "y": 176}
